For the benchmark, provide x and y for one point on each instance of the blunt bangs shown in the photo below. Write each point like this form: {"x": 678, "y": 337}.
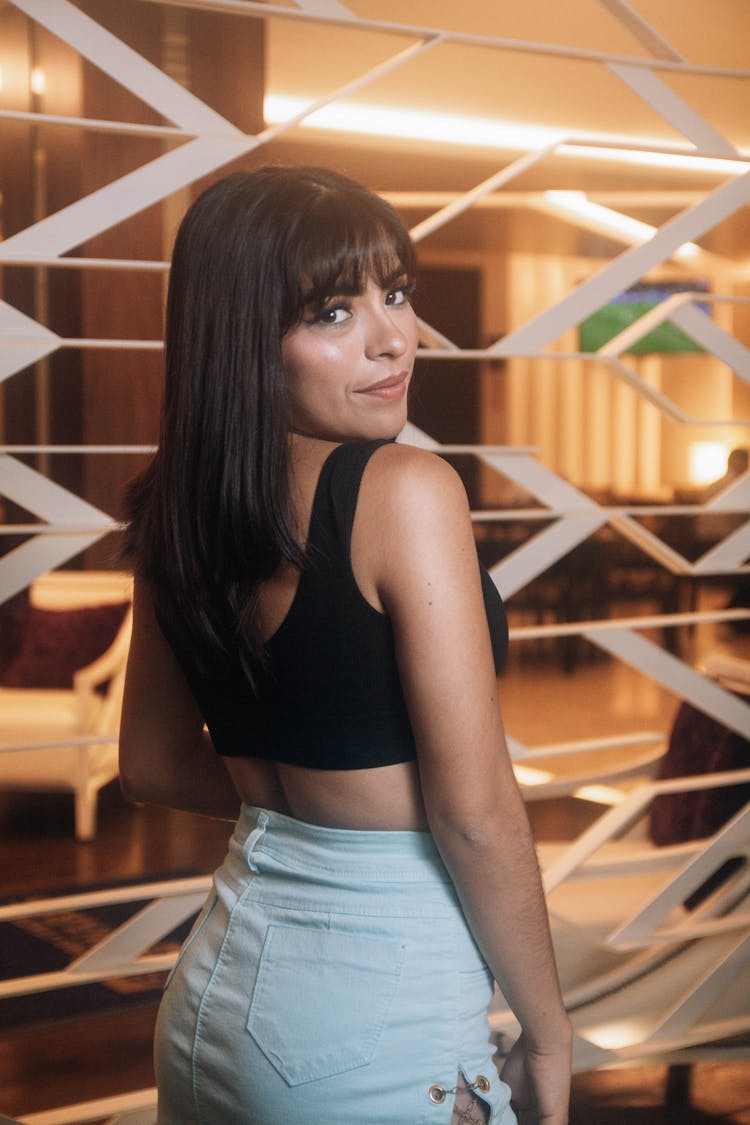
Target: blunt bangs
{"x": 343, "y": 240}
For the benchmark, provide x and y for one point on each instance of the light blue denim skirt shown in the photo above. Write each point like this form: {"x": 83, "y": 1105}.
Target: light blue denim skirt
{"x": 330, "y": 977}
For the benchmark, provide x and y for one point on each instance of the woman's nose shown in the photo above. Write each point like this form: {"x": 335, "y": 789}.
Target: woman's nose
{"x": 387, "y": 333}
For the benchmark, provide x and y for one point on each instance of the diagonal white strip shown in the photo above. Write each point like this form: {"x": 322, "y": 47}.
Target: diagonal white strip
{"x": 660, "y": 400}
{"x": 326, "y": 8}
{"x": 517, "y": 750}
{"x": 14, "y": 323}
{"x": 651, "y": 544}
{"x": 708, "y": 988}
{"x": 736, "y": 497}
{"x": 644, "y": 324}
{"x": 674, "y": 675}
{"x": 46, "y": 499}
{"x": 430, "y": 337}
{"x": 24, "y": 340}
{"x": 126, "y": 66}
{"x": 155, "y": 180}
{"x": 534, "y": 557}
{"x": 412, "y": 435}
{"x": 630, "y": 266}
{"x": 36, "y": 556}
{"x": 306, "y": 111}
{"x": 713, "y": 338}
{"x": 524, "y": 564}
{"x": 15, "y": 357}
{"x": 138, "y": 934}
{"x": 463, "y": 202}
{"x": 628, "y": 375}
{"x": 643, "y": 31}
{"x": 732, "y": 552}
{"x": 709, "y": 858}
{"x": 654, "y": 90}
{"x": 540, "y": 481}
{"x": 124, "y": 197}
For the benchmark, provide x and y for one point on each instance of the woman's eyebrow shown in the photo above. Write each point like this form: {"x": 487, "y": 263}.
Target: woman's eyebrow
{"x": 320, "y": 294}
{"x": 399, "y": 275}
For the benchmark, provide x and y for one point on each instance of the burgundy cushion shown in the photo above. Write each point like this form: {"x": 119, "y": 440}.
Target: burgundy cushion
{"x": 698, "y": 744}
{"x": 14, "y": 618}
{"x": 57, "y": 642}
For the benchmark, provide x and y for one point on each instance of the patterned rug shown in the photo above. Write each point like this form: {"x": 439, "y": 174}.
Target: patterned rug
{"x": 45, "y": 944}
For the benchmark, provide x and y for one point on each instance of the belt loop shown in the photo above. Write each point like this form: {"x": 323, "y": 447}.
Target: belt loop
{"x": 253, "y": 838}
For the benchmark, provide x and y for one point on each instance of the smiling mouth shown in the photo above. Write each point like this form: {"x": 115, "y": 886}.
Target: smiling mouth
{"x": 391, "y": 387}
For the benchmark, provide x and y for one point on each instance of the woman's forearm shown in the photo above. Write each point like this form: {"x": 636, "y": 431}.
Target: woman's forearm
{"x": 494, "y": 869}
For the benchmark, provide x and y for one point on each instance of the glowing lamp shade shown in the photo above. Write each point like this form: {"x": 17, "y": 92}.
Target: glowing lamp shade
{"x": 708, "y": 461}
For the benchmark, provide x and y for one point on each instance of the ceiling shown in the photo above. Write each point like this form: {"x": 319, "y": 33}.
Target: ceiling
{"x": 535, "y": 64}
{"x": 484, "y": 78}
{"x": 542, "y": 65}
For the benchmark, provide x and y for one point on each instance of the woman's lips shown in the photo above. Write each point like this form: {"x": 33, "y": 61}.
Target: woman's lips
{"x": 391, "y": 388}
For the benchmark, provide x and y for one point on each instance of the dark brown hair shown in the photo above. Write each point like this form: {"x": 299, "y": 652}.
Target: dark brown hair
{"x": 211, "y": 517}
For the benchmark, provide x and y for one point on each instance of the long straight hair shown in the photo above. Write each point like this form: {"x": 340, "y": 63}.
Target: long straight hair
{"x": 211, "y": 518}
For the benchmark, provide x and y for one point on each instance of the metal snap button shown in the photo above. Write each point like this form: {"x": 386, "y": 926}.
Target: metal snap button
{"x": 437, "y": 1094}
{"x": 482, "y": 1084}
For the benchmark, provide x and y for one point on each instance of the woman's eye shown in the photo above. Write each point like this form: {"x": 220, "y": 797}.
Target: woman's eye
{"x": 336, "y": 314}
{"x": 398, "y": 297}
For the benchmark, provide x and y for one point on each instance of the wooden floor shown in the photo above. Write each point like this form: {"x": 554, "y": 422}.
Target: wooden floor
{"x": 73, "y": 1061}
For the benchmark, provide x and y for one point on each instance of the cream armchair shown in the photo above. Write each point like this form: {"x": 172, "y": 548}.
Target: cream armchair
{"x": 64, "y": 739}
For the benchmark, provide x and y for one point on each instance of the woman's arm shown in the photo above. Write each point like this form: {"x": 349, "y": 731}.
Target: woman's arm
{"x": 166, "y": 757}
{"x": 430, "y": 586}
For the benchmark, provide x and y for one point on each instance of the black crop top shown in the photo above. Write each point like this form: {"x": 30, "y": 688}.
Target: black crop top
{"x": 330, "y": 697}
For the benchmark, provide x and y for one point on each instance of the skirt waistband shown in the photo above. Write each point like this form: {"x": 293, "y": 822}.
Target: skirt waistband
{"x": 371, "y": 854}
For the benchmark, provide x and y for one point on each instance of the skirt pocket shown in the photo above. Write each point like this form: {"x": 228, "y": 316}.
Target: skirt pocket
{"x": 321, "y": 999}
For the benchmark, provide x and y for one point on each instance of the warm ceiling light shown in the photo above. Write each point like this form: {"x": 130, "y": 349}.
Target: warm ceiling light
{"x": 374, "y": 120}
{"x": 529, "y": 775}
{"x": 708, "y": 461}
{"x": 680, "y": 160}
{"x": 600, "y": 795}
{"x": 617, "y": 1034}
{"x": 37, "y": 80}
{"x": 576, "y": 205}
{"x": 481, "y": 132}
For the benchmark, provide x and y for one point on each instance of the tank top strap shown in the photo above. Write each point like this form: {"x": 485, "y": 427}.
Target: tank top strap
{"x": 336, "y": 496}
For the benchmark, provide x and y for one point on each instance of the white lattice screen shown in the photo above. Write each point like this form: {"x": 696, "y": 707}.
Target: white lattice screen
{"x": 652, "y": 74}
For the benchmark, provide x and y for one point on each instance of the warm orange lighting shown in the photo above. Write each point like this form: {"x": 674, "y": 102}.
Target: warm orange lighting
{"x": 708, "y": 461}
{"x": 37, "y": 80}
{"x": 576, "y": 205}
{"x": 528, "y": 775}
{"x": 618, "y": 1034}
{"x": 484, "y": 132}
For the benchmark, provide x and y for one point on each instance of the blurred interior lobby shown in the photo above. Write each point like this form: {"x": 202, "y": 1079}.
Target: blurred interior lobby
{"x": 576, "y": 177}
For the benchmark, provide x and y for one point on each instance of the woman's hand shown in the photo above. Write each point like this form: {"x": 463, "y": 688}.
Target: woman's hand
{"x": 540, "y": 1083}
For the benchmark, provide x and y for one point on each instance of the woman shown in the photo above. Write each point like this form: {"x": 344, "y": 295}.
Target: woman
{"x": 311, "y": 591}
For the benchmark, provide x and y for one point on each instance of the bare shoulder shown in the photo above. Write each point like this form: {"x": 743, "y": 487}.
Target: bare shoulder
{"x": 404, "y": 485}
{"x": 412, "y": 527}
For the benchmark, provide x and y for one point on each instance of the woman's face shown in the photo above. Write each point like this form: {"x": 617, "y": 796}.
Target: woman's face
{"x": 348, "y": 364}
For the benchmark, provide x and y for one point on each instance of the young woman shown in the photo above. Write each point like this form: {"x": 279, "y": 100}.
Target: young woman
{"x": 310, "y": 591}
